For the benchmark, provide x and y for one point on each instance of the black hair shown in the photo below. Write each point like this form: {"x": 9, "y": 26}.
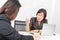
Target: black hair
{"x": 44, "y": 12}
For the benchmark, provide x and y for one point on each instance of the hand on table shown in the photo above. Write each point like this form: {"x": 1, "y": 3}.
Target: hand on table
{"x": 36, "y": 36}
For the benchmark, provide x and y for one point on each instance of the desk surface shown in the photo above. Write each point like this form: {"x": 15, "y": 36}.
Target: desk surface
{"x": 56, "y": 37}
{"x": 25, "y": 33}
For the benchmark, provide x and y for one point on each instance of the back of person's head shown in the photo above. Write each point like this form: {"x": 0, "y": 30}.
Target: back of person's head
{"x": 10, "y": 8}
{"x": 42, "y": 10}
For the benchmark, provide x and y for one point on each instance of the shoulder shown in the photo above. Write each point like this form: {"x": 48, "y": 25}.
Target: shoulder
{"x": 4, "y": 23}
{"x": 33, "y": 18}
{"x": 45, "y": 21}
{"x": 5, "y": 28}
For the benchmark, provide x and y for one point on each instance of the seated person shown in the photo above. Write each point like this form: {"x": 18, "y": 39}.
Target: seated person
{"x": 8, "y": 12}
{"x": 36, "y": 23}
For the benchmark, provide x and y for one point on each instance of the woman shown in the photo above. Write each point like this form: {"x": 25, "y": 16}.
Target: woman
{"x": 9, "y": 12}
{"x": 36, "y": 23}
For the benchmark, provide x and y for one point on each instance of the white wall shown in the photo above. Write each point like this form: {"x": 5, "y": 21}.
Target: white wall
{"x": 2, "y": 2}
{"x": 56, "y": 16}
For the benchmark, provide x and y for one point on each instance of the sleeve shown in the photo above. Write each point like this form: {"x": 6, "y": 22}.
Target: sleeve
{"x": 9, "y": 33}
{"x": 45, "y": 21}
{"x": 27, "y": 38}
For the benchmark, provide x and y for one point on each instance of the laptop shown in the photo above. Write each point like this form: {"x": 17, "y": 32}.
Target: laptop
{"x": 20, "y": 25}
{"x": 48, "y": 29}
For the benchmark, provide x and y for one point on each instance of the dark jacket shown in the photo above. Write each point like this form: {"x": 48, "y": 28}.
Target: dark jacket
{"x": 9, "y": 33}
{"x": 34, "y": 24}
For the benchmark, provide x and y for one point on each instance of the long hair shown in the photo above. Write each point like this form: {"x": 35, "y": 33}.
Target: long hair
{"x": 42, "y": 11}
{"x": 10, "y": 7}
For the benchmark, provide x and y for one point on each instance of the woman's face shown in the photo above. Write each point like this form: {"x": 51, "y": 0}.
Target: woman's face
{"x": 40, "y": 16}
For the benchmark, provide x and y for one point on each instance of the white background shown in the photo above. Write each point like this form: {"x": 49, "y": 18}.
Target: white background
{"x": 30, "y": 7}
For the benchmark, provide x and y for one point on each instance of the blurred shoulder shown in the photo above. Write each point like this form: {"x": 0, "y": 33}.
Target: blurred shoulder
{"x": 33, "y": 17}
{"x": 45, "y": 21}
{"x": 4, "y": 23}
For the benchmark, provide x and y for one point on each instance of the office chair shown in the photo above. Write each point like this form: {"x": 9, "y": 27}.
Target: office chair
{"x": 19, "y": 25}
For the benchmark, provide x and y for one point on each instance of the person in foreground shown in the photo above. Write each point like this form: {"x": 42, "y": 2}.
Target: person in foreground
{"x": 36, "y": 23}
{"x": 8, "y": 12}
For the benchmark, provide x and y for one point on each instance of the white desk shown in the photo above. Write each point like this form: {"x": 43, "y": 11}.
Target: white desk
{"x": 24, "y": 33}
{"x": 57, "y": 37}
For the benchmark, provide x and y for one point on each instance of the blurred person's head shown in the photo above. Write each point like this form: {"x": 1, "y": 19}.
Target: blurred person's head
{"x": 10, "y": 9}
{"x": 41, "y": 14}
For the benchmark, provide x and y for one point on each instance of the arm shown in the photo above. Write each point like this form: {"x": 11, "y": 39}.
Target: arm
{"x": 27, "y": 25}
{"x": 9, "y": 33}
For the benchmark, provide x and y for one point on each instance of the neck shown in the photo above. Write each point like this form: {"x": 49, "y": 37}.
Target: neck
{"x": 38, "y": 23}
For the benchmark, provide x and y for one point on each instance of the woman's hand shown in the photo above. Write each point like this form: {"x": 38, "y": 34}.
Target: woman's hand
{"x": 36, "y": 36}
{"x": 27, "y": 21}
{"x": 37, "y": 31}
{"x": 27, "y": 25}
